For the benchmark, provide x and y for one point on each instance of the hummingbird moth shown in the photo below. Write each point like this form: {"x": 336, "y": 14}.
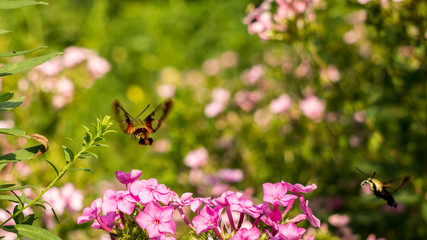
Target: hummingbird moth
{"x": 142, "y": 129}
{"x": 380, "y": 188}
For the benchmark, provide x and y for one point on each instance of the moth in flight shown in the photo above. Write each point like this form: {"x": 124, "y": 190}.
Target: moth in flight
{"x": 142, "y": 129}
{"x": 380, "y": 188}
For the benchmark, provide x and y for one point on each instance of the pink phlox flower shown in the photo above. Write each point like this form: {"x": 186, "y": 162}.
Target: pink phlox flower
{"x": 290, "y": 231}
{"x": 238, "y": 204}
{"x": 157, "y": 220}
{"x": 128, "y": 178}
{"x": 91, "y": 212}
{"x": 276, "y": 194}
{"x": 228, "y": 198}
{"x": 120, "y": 200}
{"x": 307, "y": 211}
{"x": 107, "y": 219}
{"x": 299, "y": 188}
{"x": 197, "y": 202}
{"x": 298, "y": 218}
{"x": 184, "y": 200}
{"x": 247, "y": 234}
{"x": 149, "y": 190}
{"x": 207, "y": 219}
{"x": 164, "y": 237}
{"x": 272, "y": 219}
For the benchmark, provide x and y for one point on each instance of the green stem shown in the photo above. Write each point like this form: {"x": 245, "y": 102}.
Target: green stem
{"x": 59, "y": 176}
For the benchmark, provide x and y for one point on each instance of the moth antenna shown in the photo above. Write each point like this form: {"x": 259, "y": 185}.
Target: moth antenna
{"x": 373, "y": 175}
{"x": 143, "y": 111}
{"x": 362, "y": 172}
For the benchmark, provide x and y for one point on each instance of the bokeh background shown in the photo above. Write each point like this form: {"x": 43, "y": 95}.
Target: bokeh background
{"x": 342, "y": 87}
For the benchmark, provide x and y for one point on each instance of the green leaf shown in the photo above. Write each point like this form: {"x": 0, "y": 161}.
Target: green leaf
{"x": 8, "y": 4}
{"x": 14, "y": 132}
{"x": 19, "y": 53}
{"x": 82, "y": 169}
{"x": 11, "y": 188}
{"x": 23, "y": 154}
{"x": 17, "y": 67}
{"x": 3, "y": 31}
{"x": 53, "y": 166}
{"x": 69, "y": 155}
{"x": 6, "y": 96}
{"x": 36, "y": 233}
{"x": 11, "y": 104}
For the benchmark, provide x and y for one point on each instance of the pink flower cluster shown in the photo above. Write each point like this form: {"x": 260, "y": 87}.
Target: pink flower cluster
{"x": 51, "y": 76}
{"x": 267, "y": 24}
{"x": 151, "y": 205}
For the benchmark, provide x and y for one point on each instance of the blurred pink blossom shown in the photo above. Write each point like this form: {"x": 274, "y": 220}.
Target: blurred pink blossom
{"x": 312, "y": 107}
{"x": 53, "y": 196}
{"x": 218, "y": 188}
{"x": 221, "y": 95}
{"x": 51, "y": 68}
{"x": 360, "y": 116}
{"x": 97, "y": 66}
{"x": 196, "y": 158}
{"x": 303, "y": 69}
{"x": 333, "y": 73}
{"x": 230, "y": 175}
{"x": 373, "y": 237}
{"x": 162, "y": 145}
{"x": 72, "y": 196}
{"x": 196, "y": 176}
{"x": 65, "y": 87}
{"x": 351, "y": 36}
{"x": 252, "y": 75}
{"x": 338, "y": 220}
{"x": 58, "y": 101}
{"x": 262, "y": 118}
{"x": 363, "y": 2}
{"x": 213, "y": 109}
{"x": 9, "y": 123}
{"x": 247, "y": 100}
{"x": 75, "y": 55}
{"x": 281, "y": 104}
{"x": 7, "y": 235}
{"x": 166, "y": 90}
{"x": 211, "y": 67}
{"x": 228, "y": 59}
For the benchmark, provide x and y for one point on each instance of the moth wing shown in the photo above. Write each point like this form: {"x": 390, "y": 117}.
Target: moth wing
{"x": 122, "y": 116}
{"x": 154, "y": 120}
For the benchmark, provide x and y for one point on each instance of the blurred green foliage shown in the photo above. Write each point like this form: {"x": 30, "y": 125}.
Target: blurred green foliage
{"x": 151, "y": 43}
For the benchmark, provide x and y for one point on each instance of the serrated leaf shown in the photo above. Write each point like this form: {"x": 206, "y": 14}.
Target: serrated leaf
{"x": 82, "y": 169}
{"x": 11, "y": 104}
{"x": 14, "y": 132}
{"x": 8, "y": 4}
{"x": 19, "y": 53}
{"x": 5, "y": 96}
{"x": 33, "y": 232}
{"x": 23, "y": 154}
{"x": 17, "y": 67}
